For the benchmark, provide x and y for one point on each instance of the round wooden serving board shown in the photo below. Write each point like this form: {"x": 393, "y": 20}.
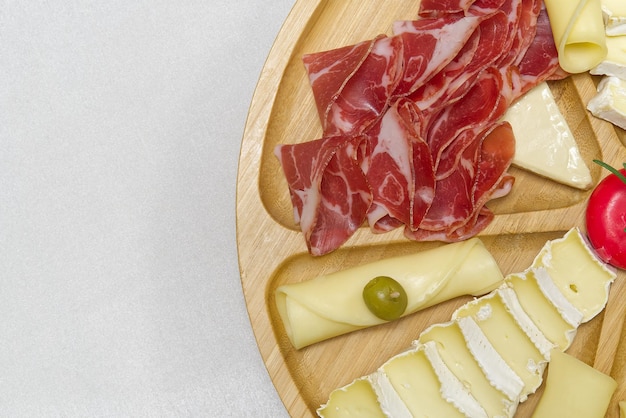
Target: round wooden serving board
{"x": 272, "y": 250}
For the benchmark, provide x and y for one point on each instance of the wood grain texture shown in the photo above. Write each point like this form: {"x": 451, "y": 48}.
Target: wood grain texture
{"x": 272, "y": 251}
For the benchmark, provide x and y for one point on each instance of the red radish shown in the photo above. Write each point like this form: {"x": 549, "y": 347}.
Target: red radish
{"x": 606, "y": 217}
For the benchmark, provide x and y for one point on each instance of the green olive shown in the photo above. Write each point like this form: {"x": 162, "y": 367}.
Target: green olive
{"x": 385, "y": 298}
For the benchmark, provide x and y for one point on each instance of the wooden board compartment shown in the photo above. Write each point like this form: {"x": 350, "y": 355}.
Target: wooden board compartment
{"x": 272, "y": 251}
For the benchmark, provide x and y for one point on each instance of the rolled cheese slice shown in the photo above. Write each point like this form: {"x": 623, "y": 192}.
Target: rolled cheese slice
{"x": 332, "y": 305}
{"x": 579, "y": 33}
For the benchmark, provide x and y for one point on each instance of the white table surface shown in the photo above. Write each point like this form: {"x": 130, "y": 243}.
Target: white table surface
{"x": 120, "y": 129}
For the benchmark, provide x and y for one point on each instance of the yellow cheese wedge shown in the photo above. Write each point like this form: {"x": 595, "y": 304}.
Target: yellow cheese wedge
{"x": 574, "y": 389}
{"x": 622, "y": 409}
{"x": 579, "y": 33}
{"x": 578, "y": 273}
{"x": 357, "y": 399}
{"x": 452, "y": 349}
{"x": 414, "y": 380}
{"x": 507, "y": 338}
{"x": 544, "y": 143}
{"x": 540, "y": 309}
{"x": 331, "y": 305}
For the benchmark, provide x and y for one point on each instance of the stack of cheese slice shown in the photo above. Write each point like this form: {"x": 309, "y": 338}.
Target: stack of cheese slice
{"x": 492, "y": 354}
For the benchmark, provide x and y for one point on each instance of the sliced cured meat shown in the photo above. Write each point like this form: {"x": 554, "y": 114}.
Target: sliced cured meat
{"x": 540, "y": 61}
{"x": 399, "y": 170}
{"x": 459, "y": 211}
{"x": 490, "y": 87}
{"x": 478, "y": 107}
{"x": 481, "y": 51}
{"x": 389, "y": 171}
{"x": 345, "y": 199}
{"x": 485, "y": 7}
{"x": 328, "y": 190}
{"x": 329, "y": 71}
{"x": 433, "y": 8}
{"x": 428, "y": 46}
{"x": 366, "y": 94}
{"x": 411, "y": 132}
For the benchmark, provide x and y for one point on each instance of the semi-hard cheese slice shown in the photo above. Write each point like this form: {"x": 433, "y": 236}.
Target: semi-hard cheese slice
{"x": 450, "y": 344}
{"x": 579, "y": 33}
{"x": 542, "y": 312}
{"x": 574, "y": 389}
{"x": 615, "y": 61}
{"x": 453, "y": 390}
{"x": 493, "y": 365}
{"x": 544, "y": 143}
{"x": 412, "y": 376}
{"x": 577, "y": 272}
{"x": 356, "y": 399}
{"x": 330, "y": 305}
{"x": 610, "y": 101}
{"x": 614, "y": 13}
{"x": 508, "y": 339}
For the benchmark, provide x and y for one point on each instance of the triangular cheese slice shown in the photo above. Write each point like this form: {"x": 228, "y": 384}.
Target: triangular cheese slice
{"x": 544, "y": 143}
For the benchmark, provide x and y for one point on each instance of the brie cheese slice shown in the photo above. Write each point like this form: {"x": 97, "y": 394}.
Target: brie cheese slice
{"x": 544, "y": 143}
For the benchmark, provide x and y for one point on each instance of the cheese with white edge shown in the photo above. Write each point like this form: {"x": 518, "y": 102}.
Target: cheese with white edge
{"x": 574, "y": 389}
{"x": 503, "y": 340}
{"x": 541, "y": 310}
{"x": 577, "y": 272}
{"x": 414, "y": 379}
{"x": 614, "y": 14}
{"x": 452, "y": 389}
{"x": 614, "y": 63}
{"x": 508, "y": 339}
{"x": 332, "y": 304}
{"x": 610, "y": 101}
{"x": 544, "y": 142}
{"x": 450, "y": 343}
{"x": 494, "y": 366}
{"x": 356, "y": 399}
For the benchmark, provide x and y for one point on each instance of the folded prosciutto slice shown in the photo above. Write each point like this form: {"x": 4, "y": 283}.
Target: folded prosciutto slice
{"x": 411, "y": 132}
{"x": 328, "y": 190}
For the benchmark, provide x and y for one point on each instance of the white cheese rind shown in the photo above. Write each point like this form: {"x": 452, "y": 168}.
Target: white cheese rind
{"x": 452, "y": 389}
{"x": 610, "y": 101}
{"x": 568, "y": 311}
{"x": 389, "y": 400}
{"x": 499, "y": 373}
{"x": 510, "y": 300}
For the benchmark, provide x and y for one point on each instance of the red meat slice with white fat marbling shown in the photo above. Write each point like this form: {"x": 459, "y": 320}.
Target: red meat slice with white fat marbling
{"x": 458, "y": 211}
{"x": 399, "y": 169}
{"x": 428, "y": 46}
{"x": 540, "y": 61}
{"x": 366, "y": 94}
{"x": 328, "y": 189}
{"x": 329, "y": 71}
{"x": 433, "y": 8}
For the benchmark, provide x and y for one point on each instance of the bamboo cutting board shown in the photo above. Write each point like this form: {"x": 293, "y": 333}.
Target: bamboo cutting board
{"x": 272, "y": 250}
